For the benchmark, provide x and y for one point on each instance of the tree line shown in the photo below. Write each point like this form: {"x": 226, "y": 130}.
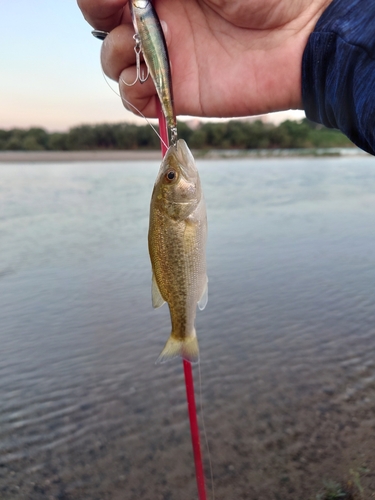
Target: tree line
{"x": 234, "y": 134}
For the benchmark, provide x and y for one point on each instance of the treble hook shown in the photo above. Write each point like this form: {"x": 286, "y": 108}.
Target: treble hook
{"x": 140, "y": 76}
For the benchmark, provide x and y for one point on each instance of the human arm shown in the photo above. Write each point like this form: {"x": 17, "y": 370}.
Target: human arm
{"x": 339, "y": 71}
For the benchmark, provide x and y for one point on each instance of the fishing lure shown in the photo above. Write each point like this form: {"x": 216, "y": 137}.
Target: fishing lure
{"x": 149, "y": 39}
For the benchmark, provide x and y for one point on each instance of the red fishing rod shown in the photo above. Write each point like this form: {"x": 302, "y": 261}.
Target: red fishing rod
{"x": 188, "y": 371}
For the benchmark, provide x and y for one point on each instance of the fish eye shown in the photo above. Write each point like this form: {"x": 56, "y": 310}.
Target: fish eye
{"x": 170, "y": 175}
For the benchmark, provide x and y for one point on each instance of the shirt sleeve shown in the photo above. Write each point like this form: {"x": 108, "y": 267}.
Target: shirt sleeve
{"x": 338, "y": 71}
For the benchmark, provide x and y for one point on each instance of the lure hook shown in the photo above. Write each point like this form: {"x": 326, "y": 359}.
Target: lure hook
{"x": 140, "y": 76}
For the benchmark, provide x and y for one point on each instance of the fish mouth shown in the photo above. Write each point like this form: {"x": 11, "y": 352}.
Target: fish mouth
{"x": 185, "y": 160}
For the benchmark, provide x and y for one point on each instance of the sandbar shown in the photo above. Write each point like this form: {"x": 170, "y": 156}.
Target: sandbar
{"x": 79, "y": 156}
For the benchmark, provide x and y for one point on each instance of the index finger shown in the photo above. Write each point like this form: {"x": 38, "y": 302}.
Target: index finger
{"x": 104, "y": 15}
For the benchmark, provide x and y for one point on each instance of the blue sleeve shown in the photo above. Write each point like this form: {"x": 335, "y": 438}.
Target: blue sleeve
{"x": 338, "y": 71}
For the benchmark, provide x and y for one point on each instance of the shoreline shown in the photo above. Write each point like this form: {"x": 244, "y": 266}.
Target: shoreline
{"x": 146, "y": 155}
{"x": 79, "y": 156}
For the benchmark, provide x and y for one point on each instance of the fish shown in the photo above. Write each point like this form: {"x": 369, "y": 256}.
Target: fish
{"x": 177, "y": 246}
{"x": 148, "y": 29}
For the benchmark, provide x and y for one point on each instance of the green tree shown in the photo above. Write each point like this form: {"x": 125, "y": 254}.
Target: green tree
{"x": 198, "y": 139}
{"x": 35, "y": 139}
{"x": 81, "y": 138}
{"x": 184, "y": 132}
{"x": 15, "y": 140}
{"x": 126, "y": 135}
{"x": 258, "y": 136}
{"x": 239, "y": 134}
{"x": 4, "y": 138}
{"x": 57, "y": 141}
{"x": 215, "y": 134}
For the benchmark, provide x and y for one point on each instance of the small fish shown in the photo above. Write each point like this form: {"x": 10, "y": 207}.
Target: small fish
{"x": 154, "y": 49}
{"x": 177, "y": 245}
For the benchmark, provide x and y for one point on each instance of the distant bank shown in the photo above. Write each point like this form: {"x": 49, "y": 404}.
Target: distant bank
{"x": 139, "y": 155}
{"x": 229, "y": 135}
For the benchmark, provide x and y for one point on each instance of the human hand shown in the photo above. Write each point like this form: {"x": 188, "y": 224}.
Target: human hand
{"x": 228, "y": 57}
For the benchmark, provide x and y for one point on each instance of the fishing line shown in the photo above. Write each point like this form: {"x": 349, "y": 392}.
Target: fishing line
{"x": 134, "y": 107}
{"x": 187, "y": 370}
{"x": 205, "y": 431}
{"x": 187, "y": 367}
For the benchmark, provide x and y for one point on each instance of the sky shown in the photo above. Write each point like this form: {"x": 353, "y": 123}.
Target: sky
{"x": 50, "y": 70}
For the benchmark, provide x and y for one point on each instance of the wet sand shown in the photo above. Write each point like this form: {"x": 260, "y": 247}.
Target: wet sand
{"x": 64, "y": 156}
{"x": 143, "y": 155}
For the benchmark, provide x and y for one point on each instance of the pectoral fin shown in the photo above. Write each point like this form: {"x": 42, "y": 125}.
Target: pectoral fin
{"x": 202, "y": 302}
{"x": 157, "y": 299}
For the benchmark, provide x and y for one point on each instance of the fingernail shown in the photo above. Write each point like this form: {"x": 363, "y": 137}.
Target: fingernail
{"x": 99, "y": 34}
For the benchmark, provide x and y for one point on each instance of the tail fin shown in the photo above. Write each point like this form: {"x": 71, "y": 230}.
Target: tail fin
{"x": 187, "y": 348}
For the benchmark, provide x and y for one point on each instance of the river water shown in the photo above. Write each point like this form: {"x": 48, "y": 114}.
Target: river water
{"x": 287, "y": 339}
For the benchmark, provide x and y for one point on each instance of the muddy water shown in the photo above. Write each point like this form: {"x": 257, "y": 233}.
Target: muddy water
{"x": 287, "y": 339}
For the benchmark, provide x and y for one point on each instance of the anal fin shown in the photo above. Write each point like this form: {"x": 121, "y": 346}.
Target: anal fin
{"x": 157, "y": 299}
{"x": 202, "y": 302}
